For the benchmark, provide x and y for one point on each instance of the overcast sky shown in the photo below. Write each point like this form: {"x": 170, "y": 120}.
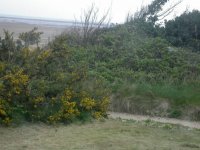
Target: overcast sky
{"x": 70, "y": 9}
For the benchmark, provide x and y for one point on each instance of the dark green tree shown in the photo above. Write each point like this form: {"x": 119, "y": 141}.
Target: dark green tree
{"x": 7, "y": 46}
{"x": 154, "y": 11}
{"x": 146, "y": 20}
{"x": 30, "y": 38}
{"x": 184, "y": 30}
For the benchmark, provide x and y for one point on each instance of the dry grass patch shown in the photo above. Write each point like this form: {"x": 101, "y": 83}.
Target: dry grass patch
{"x": 108, "y": 135}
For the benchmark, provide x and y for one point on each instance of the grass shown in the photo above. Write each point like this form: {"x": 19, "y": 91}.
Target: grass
{"x": 182, "y": 94}
{"x": 165, "y": 100}
{"x": 107, "y": 135}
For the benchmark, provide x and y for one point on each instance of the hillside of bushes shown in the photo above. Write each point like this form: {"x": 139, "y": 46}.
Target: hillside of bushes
{"x": 137, "y": 67}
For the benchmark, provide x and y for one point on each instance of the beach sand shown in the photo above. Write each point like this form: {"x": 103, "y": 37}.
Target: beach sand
{"x": 49, "y": 32}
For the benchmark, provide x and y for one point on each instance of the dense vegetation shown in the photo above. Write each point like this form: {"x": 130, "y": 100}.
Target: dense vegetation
{"x": 143, "y": 67}
{"x": 47, "y": 85}
{"x": 184, "y": 31}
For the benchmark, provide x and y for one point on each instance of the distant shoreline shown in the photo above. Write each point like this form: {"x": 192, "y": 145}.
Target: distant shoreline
{"x": 42, "y": 21}
{"x": 35, "y": 21}
{"x": 50, "y": 30}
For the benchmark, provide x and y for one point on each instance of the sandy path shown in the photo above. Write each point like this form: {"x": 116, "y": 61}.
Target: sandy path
{"x": 185, "y": 123}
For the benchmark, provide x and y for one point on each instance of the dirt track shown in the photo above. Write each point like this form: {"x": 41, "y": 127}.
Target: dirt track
{"x": 185, "y": 123}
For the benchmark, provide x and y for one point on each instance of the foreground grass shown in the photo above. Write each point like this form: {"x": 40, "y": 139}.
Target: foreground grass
{"x": 108, "y": 135}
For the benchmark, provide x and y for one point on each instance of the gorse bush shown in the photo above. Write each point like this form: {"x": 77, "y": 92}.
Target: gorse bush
{"x": 18, "y": 95}
{"x": 48, "y": 86}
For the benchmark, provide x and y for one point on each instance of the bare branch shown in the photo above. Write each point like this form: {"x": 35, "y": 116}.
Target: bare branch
{"x": 169, "y": 10}
{"x": 91, "y": 23}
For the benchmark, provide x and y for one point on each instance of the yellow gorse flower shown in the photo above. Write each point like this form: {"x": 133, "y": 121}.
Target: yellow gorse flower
{"x": 17, "y": 81}
{"x": 97, "y": 115}
{"x": 17, "y": 78}
{"x": 38, "y": 100}
{"x": 67, "y": 95}
{"x": 2, "y": 112}
{"x": 103, "y": 104}
{"x": 87, "y": 103}
{"x": 44, "y": 55}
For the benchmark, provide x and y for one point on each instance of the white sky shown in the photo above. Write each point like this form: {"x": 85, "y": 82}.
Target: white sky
{"x": 70, "y": 9}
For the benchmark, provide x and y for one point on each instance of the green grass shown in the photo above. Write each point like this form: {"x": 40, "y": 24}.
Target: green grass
{"x": 175, "y": 94}
{"x": 165, "y": 100}
{"x": 107, "y": 135}
{"x": 178, "y": 95}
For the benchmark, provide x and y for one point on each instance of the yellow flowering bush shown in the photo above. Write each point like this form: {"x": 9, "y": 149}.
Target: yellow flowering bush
{"x": 67, "y": 95}
{"x": 67, "y": 112}
{"x": 4, "y": 115}
{"x": 103, "y": 104}
{"x": 101, "y": 108}
{"x": 2, "y": 109}
{"x": 75, "y": 104}
{"x": 56, "y": 108}
{"x": 37, "y": 101}
{"x": 17, "y": 78}
{"x": 97, "y": 115}
{"x": 14, "y": 90}
{"x": 54, "y": 118}
{"x": 44, "y": 55}
{"x": 44, "y": 96}
{"x": 88, "y": 103}
{"x": 15, "y": 82}
{"x": 48, "y": 86}
{"x": 68, "y": 108}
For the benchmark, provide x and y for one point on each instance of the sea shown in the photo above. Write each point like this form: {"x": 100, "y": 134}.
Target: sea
{"x": 39, "y": 21}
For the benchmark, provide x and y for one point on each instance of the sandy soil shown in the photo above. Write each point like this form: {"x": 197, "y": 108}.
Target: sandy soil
{"x": 157, "y": 119}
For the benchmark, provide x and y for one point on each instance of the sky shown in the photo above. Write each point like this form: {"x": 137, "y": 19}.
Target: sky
{"x": 72, "y": 9}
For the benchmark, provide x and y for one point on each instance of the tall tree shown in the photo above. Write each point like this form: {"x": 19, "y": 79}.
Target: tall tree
{"x": 184, "y": 30}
